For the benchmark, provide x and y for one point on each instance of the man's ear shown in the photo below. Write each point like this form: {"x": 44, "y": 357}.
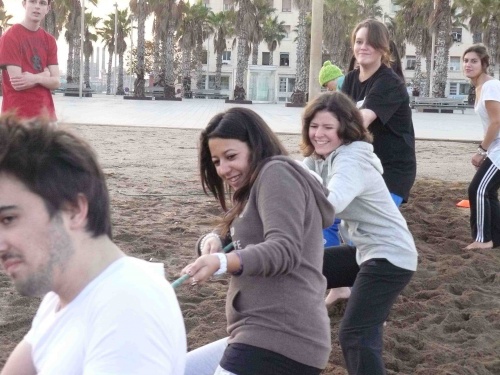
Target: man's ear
{"x": 77, "y": 212}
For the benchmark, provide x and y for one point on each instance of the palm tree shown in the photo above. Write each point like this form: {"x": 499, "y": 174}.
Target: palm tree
{"x": 340, "y": 18}
{"x": 4, "y": 20}
{"x": 412, "y": 19}
{"x": 244, "y": 27}
{"x": 187, "y": 41}
{"x": 223, "y": 26}
{"x": 123, "y": 29}
{"x": 140, "y": 9}
{"x": 274, "y": 32}
{"x": 171, "y": 24}
{"x": 369, "y": 9}
{"x": 201, "y": 32}
{"x": 72, "y": 27}
{"x": 441, "y": 23}
{"x": 263, "y": 10}
{"x": 55, "y": 20}
{"x": 484, "y": 18}
{"x": 299, "y": 92}
{"x": 88, "y": 48}
{"x": 107, "y": 34}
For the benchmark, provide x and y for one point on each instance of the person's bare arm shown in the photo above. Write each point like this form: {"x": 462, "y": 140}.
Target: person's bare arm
{"x": 20, "y": 361}
{"x": 49, "y": 78}
{"x": 368, "y": 117}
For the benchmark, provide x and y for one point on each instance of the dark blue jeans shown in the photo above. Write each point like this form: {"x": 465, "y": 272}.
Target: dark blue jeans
{"x": 375, "y": 287}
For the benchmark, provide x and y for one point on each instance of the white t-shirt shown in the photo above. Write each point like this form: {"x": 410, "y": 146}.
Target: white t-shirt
{"x": 126, "y": 321}
{"x": 490, "y": 91}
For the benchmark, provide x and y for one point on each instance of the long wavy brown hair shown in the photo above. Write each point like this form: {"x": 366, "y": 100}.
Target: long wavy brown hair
{"x": 246, "y": 126}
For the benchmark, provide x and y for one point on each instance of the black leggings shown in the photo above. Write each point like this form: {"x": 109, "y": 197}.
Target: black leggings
{"x": 376, "y": 284}
{"x": 339, "y": 266}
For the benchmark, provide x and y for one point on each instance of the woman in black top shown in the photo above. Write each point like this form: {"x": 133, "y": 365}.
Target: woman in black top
{"x": 385, "y": 106}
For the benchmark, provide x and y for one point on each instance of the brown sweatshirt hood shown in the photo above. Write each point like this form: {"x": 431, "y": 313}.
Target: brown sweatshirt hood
{"x": 320, "y": 192}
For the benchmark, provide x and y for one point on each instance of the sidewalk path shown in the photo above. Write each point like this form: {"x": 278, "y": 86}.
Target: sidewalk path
{"x": 195, "y": 113}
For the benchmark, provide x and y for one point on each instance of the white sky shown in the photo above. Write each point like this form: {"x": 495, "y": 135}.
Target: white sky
{"x": 105, "y": 7}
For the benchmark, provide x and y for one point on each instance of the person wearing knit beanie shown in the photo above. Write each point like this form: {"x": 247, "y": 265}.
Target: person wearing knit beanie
{"x": 329, "y": 75}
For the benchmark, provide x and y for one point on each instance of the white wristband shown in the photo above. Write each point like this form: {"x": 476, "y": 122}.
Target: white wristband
{"x": 223, "y": 263}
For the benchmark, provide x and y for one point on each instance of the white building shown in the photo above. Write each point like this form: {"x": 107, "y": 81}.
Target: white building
{"x": 270, "y": 84}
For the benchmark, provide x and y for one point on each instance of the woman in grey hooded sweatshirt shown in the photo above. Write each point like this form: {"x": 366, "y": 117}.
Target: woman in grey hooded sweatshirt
{"x": 339, "y": 149}
{"x": 277, "y": 321}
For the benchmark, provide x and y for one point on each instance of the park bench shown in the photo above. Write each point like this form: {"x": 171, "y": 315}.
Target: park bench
{"x": 439, "y": 105}
{"x": 209, "y": 94}
{"x": 72, "y": 89}
{"x": 155, "y": 91}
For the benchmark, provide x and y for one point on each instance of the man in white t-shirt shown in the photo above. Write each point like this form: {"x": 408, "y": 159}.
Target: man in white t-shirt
{"x": 102, "y": 312}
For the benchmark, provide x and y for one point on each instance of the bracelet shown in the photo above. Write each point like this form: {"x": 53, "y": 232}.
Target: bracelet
{"x": 223, "y": 263}
{"x": 482, "y": 148}
{"x": 481, "y": 151}
{"x": 209, "y": 235}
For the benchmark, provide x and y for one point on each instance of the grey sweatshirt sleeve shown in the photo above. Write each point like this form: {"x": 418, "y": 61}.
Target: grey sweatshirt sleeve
{"x": 281, "y": 204}
{"x": 347, "y": 183}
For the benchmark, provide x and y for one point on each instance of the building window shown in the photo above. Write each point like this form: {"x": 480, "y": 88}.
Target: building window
{"x": 287, "y": 6}
{"x": 455, "y": 63}
{"x": 226, "y": 57}
{"x": 464, "y": 89}
{"x": 204, "y": 56}
{"x": 287, "y": 31}
{"x": 284, "y": 59}
{"x": 410, "y": 62}
{"x": 287, "y": 84}
{"x": 453, "y": 88}
{"x": 456, "y": 34}
{"x": 224, "y": 82}
{"x": 228, "y": 5}
{"x": 265, "y": 58}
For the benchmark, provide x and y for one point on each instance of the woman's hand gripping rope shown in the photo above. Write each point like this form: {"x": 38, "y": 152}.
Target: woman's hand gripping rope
{"x": 201, "y": 269}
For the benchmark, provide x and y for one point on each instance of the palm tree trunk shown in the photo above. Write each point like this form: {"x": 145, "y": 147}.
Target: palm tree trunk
{"x": 218, "y": 71}
{"x": 492, "y": 44}
{"x": 119, "y": 89}
{"x": 442, "y": 50}
{"x": 299, "y": 93}
{"x": 140, "y": 81}
{"x": 271, "y": 55}
{"x": 427, "y": 89}
{"x": 186, "y": 72}
{"x": 108, "y": 78}
{"x": 242, "y": 57}
{"x": 69, "y": 62}
{"x": 49, "y": 23}
{"x": 169, "y": 63}
{"x": 417, "y": 78}
{"x": 200, "y": 82}
{"x": 76, "y": 57}
{"x": 86, "y": 74}
{"x": 156, "y": 59}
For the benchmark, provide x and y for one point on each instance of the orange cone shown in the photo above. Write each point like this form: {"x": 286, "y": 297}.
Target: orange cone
{"x": 463, "y": 204}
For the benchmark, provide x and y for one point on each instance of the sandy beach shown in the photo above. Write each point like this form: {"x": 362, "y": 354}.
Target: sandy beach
{"x": 447, "y": 320}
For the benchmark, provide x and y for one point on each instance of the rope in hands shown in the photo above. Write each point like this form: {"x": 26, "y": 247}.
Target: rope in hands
{"x": 177, "y": 283}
